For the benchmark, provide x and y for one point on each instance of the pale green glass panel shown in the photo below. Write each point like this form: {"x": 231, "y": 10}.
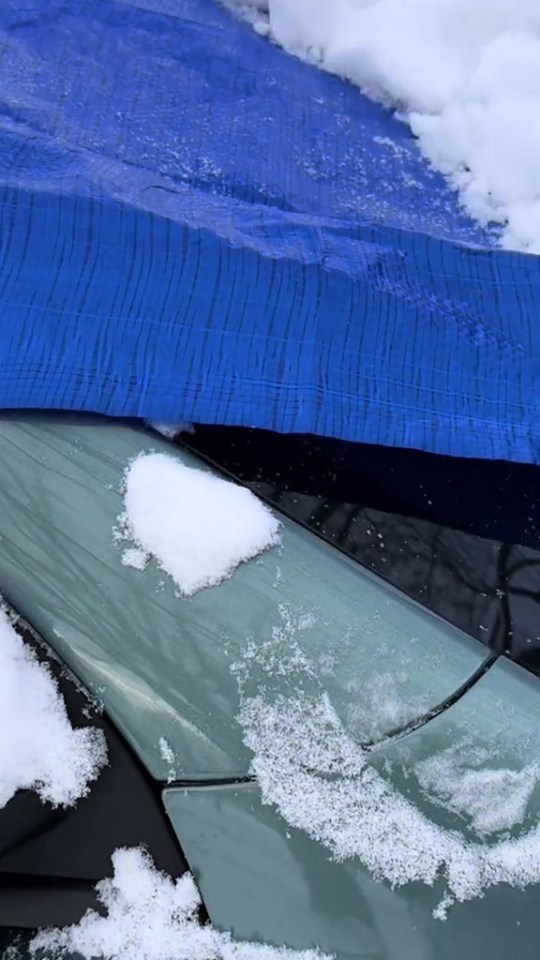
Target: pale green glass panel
{"x": 162, "y": 664}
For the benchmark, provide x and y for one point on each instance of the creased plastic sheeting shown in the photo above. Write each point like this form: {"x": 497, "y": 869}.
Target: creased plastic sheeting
{"x": 195, "y": 226}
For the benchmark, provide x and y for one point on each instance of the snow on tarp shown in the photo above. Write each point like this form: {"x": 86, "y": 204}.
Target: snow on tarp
{"x": 196, "y": 227}
{"x": 465, "y": 74}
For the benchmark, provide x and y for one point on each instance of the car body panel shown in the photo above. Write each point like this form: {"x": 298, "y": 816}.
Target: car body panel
{"x": 265, "y": 880}
{"x": 164, "y": 666}
{"x": 493, "y": 732}
{"x": 268, "y": 880}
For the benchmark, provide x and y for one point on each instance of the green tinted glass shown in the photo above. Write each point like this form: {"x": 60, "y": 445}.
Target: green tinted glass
{"x": 164, "y": 666}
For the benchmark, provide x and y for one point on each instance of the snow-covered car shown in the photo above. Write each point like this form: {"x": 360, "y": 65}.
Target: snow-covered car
{"x": 339, "y": 768}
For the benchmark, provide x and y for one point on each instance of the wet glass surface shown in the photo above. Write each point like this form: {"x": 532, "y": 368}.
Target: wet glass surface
{"x": 460, "y": 536}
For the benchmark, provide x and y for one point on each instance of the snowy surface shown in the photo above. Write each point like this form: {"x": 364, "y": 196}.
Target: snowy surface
{"x": 197, "y": 527}
{"x": 39, "y": 749}
{"x": 323, "y": 782}
{"x": 149, "y": 916}
{"x": 385, "y": 703}
{"x": 493, "y": 798}
{"x": 465, "y": 74}
{"x": 169, "y": 757}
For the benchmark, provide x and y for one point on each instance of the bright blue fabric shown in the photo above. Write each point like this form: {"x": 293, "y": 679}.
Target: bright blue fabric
{"x": 195, "y": 226}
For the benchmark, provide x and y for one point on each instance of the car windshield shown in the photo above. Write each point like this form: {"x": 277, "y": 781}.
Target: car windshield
{"x": 131, "y": 638}
{"x": 462, "y": 537}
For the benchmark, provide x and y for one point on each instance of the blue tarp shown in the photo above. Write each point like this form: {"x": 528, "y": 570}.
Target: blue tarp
{"x": 196, "y": 226}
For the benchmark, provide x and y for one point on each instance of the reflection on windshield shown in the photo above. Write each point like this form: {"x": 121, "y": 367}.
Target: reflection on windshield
{"x": 461, "y": 537}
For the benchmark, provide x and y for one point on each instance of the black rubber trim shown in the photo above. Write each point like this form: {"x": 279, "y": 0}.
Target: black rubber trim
{"x": 213, "y": 782}
{"x": 398, "y": 732}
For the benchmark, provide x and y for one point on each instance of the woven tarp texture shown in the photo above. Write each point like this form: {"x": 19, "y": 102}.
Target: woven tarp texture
{"x": 196, "y": 226}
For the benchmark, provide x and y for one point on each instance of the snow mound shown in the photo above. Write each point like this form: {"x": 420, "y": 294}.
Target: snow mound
{"x": 39, "y": 749}
{"x": 152, "y": 917}
{"x": 465, "y": 74}
{"x": 198, "y": 527}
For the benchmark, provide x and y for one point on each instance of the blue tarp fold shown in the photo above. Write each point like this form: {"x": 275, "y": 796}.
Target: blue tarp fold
{"x": 194, "y": 225}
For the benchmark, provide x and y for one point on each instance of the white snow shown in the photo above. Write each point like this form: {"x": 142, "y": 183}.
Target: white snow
{"x": 494, "y": 798}
{"x": 380, "y": 706}
{"x": 166, "y": 751}
{"x": 149, "y": 916}
{"x": 169, "y": 757}
{"x": 135, "y": 557}
{"x": 465, "y": 74}
{"x": 322, "y": 782}
{"x": 198, "y": 527}
{"x": 39, "y": 749}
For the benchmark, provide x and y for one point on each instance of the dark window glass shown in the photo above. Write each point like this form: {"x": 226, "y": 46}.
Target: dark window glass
{"x": 460, "y": 536}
